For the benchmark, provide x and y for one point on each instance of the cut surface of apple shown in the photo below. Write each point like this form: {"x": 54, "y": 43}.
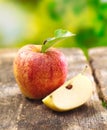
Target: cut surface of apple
{"x": 72, "y": 94}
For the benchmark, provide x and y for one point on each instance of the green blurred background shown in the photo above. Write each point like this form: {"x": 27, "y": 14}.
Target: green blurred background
{"x": 32, "y": 21}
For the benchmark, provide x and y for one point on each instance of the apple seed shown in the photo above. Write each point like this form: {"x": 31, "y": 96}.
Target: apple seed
{"x": 69, "y": 86}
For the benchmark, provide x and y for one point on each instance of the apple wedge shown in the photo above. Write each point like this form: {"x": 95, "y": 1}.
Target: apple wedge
{"x": 72, "y": 94}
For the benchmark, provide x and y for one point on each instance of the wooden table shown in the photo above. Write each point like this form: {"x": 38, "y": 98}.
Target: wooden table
{"x": 19, "y": 113}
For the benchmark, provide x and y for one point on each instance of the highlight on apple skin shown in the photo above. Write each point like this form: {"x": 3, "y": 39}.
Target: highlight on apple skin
{"x": 72, "y": 94}
{"x": 37, "y": 73}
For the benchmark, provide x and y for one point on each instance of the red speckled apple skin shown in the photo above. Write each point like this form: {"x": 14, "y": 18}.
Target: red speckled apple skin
{"x": 38, "y": 74}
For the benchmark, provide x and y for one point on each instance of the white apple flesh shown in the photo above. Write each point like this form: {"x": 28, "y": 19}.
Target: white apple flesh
{"x": 70, "y": 95}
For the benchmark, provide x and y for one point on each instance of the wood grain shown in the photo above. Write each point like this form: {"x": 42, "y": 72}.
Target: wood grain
{"x": 98, "y": 61}
{"x": 19, "y": 113}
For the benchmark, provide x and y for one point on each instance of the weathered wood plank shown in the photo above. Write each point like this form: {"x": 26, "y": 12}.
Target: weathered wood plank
{"x": 18, "y": 113}
{"x": 10, "y": 98}
{"x": 98, "y": 61}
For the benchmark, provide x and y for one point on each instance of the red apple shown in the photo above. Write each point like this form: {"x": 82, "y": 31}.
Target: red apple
{"x": 38, "y": 74}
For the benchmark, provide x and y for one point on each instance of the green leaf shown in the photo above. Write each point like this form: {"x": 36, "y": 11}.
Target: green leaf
{"x": 62, "y": 33}
{"x": 59, "y": 35}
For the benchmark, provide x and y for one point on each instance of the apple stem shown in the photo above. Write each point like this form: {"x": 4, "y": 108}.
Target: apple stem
{"x": 45, "y": 41}
{"x": 84, "y": 70}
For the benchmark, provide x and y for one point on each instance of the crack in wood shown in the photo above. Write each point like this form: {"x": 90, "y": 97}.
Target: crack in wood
{"x": 18, "y": 114}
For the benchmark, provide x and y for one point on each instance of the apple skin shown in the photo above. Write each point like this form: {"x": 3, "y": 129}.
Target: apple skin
{"x": 38, "y": 74}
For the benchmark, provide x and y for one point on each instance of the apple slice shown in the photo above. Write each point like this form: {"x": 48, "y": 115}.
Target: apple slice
{"x": 72, "y": 94}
